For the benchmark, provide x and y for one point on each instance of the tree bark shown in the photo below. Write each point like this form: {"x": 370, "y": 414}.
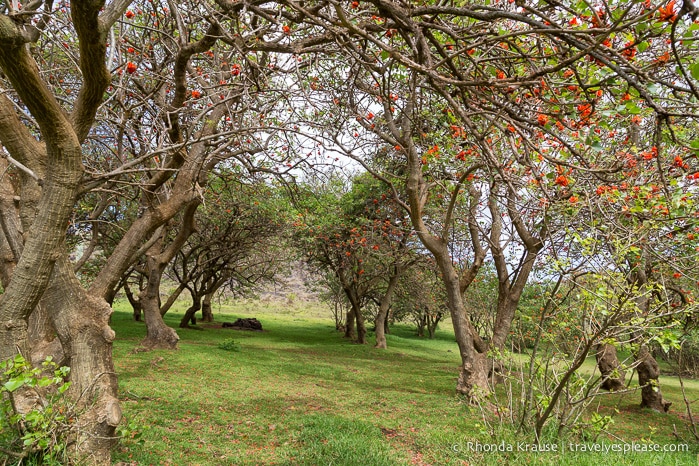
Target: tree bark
{"x": 82, "y": 324}
{"x": 171, "y": 299}
{"x": 350, "y": 331}
{"x": 432, "y": 324}
{"x": 384, "y": 306}
{"x": 136, "y": 304}
{"x": 613, "y": 375}
{"x": 206, "y": 314}
{"x": 42, "y": 335}
{"x": 648, "y": 374}
{"x": 158, "y": 334}
{"x": 190, "y": 314}
{"x": 361, "y": 326}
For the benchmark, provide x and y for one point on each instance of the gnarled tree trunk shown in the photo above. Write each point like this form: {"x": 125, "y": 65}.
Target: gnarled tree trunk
{"x": 134, "y": 301}
{"x": 613, "y": 375}
{"x": 648, "y": 374}
{"x": 190, "y": 314}
{"x": 82, "y": 324}
{"x": 158, "y": 334}
{"x": 206, "y": 313}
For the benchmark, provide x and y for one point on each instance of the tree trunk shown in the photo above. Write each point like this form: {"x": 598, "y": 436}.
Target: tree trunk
{"x": 473, "y": 375}
{"x": 171, "y": 299}
{"x": 134, "y": 301}
{"x": 432, "y": 324}
{"x": 506, "y": 309}
{"x": 384, "y": 306}
{"x": 81, "y": 322}
{"x": 350, "y": 331}
{"x": 613, "y": 375}
{"x": 379, "y": 323}
{"x": 420, "y": 322}
{"x": 206, "y": 314}
{"x": 158, "y": 334}
{"x": 190, "y": 314}
{"x": 648, "y": 373}
{"x": 361, "y": 326}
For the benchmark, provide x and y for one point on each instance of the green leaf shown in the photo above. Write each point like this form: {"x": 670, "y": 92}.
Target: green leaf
{"x": 632, "y": 107}
{"x": 694, "y": 69}
{"x": 13, "y": 384}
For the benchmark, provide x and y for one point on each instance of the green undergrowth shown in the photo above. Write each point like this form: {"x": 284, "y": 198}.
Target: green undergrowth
{"x": 299, "y": 394}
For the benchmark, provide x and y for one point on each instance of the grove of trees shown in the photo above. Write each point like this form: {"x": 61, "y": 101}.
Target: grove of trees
{"x": 534, "y": 147}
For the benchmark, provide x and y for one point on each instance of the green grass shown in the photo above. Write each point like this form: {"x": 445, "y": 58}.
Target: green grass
{"x": 299, "y": 394}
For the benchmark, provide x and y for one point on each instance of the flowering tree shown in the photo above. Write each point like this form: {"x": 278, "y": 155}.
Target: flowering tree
{"x": 533, "y": 97}
{"x": 107, "y": 102}
{"x": 361, "y": 238}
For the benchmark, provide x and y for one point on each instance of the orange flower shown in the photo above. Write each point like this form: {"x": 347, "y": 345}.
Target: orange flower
{"x": 561, "y": 180}
{"x": 573, "y": 199}
{"x": 667, "y": 13}
{"x": 130, "y": 14}
{"x": 664, "y": 58}
{"x": 585, "y": 110}
{"x": 500, "y": 74}
{"x": 131, "y": 67}
{"x": 196, "y": 94}
{"x": 542, "y": 119}
{"x": 286, "y": 29}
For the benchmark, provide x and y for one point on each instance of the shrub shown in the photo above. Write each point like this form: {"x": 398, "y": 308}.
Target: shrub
{"x": 39, "y": 435}
{"x": 229, "y": 344}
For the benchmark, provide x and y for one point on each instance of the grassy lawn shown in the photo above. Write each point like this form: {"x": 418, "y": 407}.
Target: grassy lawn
{"x": 298, "y": 394}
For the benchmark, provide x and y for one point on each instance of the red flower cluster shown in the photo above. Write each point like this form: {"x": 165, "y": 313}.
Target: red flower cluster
{"x": 561, "y": 180}
{"x": 667, "y": 13}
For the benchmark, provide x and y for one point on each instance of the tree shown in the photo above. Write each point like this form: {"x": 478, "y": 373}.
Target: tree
{"x": 420, "y": 298}
{"x": 101, "y": 99}
{"x": 528, "y": 102}
{"x": 358, "y": 237}
{"x": 50, "y": 183}
{"x": 240, "y": 243}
